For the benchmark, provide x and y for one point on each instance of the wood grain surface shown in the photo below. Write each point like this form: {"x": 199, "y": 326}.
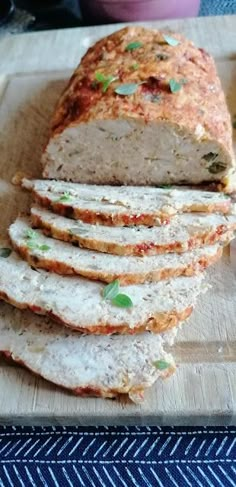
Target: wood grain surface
{"x": 203, "y": 391}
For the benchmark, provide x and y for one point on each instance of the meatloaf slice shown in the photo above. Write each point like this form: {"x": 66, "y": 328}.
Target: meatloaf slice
{"x": 185, "y": 232}
{"x": 63, "y": 258}
{"x": 142, "y": 108}
{"x": 88, "y": 366}
{"x": 80, "y": 303}
{"x": 112, "y": 205}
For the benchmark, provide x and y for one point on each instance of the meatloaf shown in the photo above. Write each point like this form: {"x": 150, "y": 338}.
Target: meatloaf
{"x": 82, "y": 305}
{"x": 88, "y": 366}
{"x": 62, "y": 258}
{"x": 144, "y": 107}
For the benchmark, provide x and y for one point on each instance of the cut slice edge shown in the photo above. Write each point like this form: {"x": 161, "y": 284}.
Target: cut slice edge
{"x": 61, "y": 257}
{"x": 112, "y": 240}
{"x": 119, "y": 206}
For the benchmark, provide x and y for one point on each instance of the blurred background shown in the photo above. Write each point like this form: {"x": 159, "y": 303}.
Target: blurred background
{"x": 21, "y": 15}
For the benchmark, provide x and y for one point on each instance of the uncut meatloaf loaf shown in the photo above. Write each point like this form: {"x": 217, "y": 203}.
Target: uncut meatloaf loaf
{"x": 142, "y": 108}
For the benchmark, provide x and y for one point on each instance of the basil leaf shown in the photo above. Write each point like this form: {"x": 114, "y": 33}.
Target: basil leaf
{"x": 5, "y": 252}
{"x": 127, "y": 89}
{"x": 44, "y": 247}
{"x": 31, "y": 234}
{"x": 133, "y": 45}
{"x": 111, "y": 290}
{"x": 175, "y": 86}
{"x": 122, "y": 300}
{"x": 161, "y": 365}
{"x": 165, "y": 186}
{"x": 171, "y": 40}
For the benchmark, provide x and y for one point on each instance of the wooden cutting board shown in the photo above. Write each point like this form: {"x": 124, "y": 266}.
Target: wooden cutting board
{"x": 34, "y": 68}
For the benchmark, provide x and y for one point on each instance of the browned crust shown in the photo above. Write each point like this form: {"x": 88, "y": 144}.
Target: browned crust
{"x": 129, "y": 219}
{"x": 158, "y": 323}
{"x": 145, "y": 248}
{"x": 89, "y": 390}
{"x": 198, "y": 265}
{"x": 201, "y": 101}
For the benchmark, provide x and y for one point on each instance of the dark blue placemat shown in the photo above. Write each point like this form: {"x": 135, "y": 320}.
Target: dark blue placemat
{"x": 218, "y": 7}
{"x": 117, "y": 456}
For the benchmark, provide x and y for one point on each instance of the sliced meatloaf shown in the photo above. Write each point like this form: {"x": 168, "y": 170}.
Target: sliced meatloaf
{"x": 142, "y": 108}
{"x": 87, "y": 306}
{"x": 88, "y": 366}
{"x": 185, "y": 232}
{"x": 63, "y": 258}
{"x": 124, "y": 205}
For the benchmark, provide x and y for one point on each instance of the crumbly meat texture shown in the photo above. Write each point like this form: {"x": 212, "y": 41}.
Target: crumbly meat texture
{"x": 79, "y": 303}
{"x": 105, "y": 366}
{"x": 174, "y": 128}
{"x": 62, "y": 258}
{"x": 185, "y": 232}
{"x": 122, "y": 205}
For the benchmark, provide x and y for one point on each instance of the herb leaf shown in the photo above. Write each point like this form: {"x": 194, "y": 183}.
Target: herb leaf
{"x": 122, "y": 300}
{"x": 127, "y": 89}
{"x": 171, "y": 40}
{"x": 133, "y": 45}
{"x": 217, "y": 167}
{"x": 111, "y": 290}
{"x": 134, "y": 66}
{"x": 5, "y": 252}
{"x": 175, "y": 86}
{"x": 31, "y": 234}
{"x": 166, "y": 186}
{"x": 44, "y": 247}
{"x": 161, "y": 364}
{"x": 105, "y": 80}
{"x": 65, "y": 197}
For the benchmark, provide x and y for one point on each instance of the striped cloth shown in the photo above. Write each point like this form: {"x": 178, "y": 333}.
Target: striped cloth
{"x": 117, "y": 457}
{"x": 218, "y": 7}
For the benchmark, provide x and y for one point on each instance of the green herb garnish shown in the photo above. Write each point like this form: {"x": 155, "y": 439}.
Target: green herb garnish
{"x": 134, "y": 66}
{"x": 123, "y": 301}
{"x": 127, "y": 89}
{"x": 161, "y": 364}
{"x": 111, "y": 293}
{"x": 31, "y": 234}
{"x": 175, "y": 86}
{"x": 32, "y": 244}
{"x": 65, "y": 197}
{"x": 171, "y": 40}
{"x": 133, "y": 45}
{"x": 44, "y": 247}
{"x": 111, "y": 290}
{"x": 5, "y": 252}
{"x": 165, "y": 186}
{"x": 105, "y": 80}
